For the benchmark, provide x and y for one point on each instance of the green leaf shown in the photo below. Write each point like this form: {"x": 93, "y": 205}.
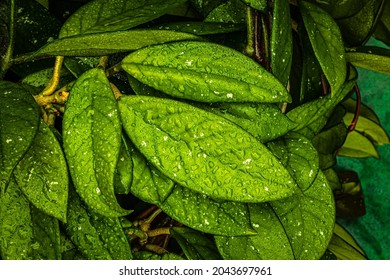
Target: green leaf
{"x": 19, "y": 120}
{"x": 382, "y": 29}
{"x": 260, "y": 5}
{"x": 90, "y": 120}
{"x": 195, "y": 245}
{"x": 46, "y": 230}
{"x": 358, "y": 146}
{"x": 357, "y": 29}
{"x": 7, "y": 12}
{"x": 365, "y": 111}
{"x": 257, "y": 119}
{"x": 142, "y": 89}
{"x": 333, "y": 179}
{"x": 371, "y": 58}
{"x": 202, "y": 28}
{"x": 26, "y": 232}
{"x": 96, "y": 237}
{"x": 43, "y": 174}
{"x": 318, "y": 110}
{"x": 115, "y": 15}
{"x": 109, "y": 43}
{"x": 204, "y": 7}
{"x": 204, "y": 72}
{"x": 327, "y": 43}
{"x": 299, "y": 156}
{"x": 15, "y": 225}
{"x": 270, "y": 242}
{"x": 124, "y": 169}
{"x": 281, "y": 41}
{"x": 340, "y": 8}
{"x": 373, "y": 131}
{"x": 344, "y": 246}
{"x": 188, "y": 207}
{"x": 231, "y": 11}
{"x": 186, "y": 143}
{"x": 78, "y": 65}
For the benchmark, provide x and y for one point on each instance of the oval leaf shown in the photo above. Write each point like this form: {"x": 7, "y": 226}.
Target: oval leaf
{"x": 281, "y": 41}
{"x": 19, "y": 120}
{"x": 90, "y": 120}
{"x": 43, "y": 174}
{"x": 371, "y": 58}
{"x": 115, "y": 15}
{"x": 327, "y": 43}
{"x": 204, "y": 72}
{"x": 109, "y": 43}
{"x": 188, "y": 207}
{"x": 204, "y": 152}
{"x": 357, "y": 146}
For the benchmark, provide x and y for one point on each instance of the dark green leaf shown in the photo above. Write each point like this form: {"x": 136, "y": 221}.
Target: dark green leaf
{"x": 340, "y": 8}
{"x": 382, "y": 30}
{"x": 96, "y": 237}
{"x": 371, "y": 58}
{"x": 190, "y": 208}
{"x": 204, "y": 7}
{"x": 7, "y": 11}
{"x": 257, "y": 119}
{"x": 270, "y": 242}
{"x": 78, "y": 65}
{"x": 333, "y": 179}
{"x": 142, "y": 89}
{"x": 202, "y": 28}
{"x": 109, "y": 43}
{"x": 344, "y": 246}
{"x": 91, "y": 119}
{"x": 358, "y": 146}
{"x": 281, "y": 41}
{"x": 299, "y": 156}
{"x": 195, "y": 245}
{"x": 231, "y": 11}
{"x": 185, "y": 143}
{"x": 43, "y": 174}
{"x": 115, "y": 15}
{"x": 357, "y": 29}
{"x": 204, "y": 72}
{"x": 327, "y": 43}
{"x": 373, "y": 131}
{"x": 365, "y": 111}
{"x": 145, "y": 255}
{"x": 19, "y": 120}
{"x": 260, "y": 5}
{"x": 124, "y": 169}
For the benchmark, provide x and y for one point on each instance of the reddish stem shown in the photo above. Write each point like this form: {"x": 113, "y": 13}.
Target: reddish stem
{"x": 353, "y": 124}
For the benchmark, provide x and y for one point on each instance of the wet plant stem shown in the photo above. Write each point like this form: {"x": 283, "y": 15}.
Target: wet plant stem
{"x": 51, "y": 87}
{"x": 353, "y": 124}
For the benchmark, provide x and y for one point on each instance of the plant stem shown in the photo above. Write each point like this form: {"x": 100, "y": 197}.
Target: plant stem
{"x": 145, "y": 224}
{"x": 7, "y": 59}
{"x": 155, "y": 249}
{"x": 353, "y": 124}
{"x": 114, "y": 69}
{"x": 51, "y": 87}
{"x": 159, "y": 231}
{"x": 249, "y": 49}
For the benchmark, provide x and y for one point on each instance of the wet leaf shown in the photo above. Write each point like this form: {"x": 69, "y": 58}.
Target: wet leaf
{"x": 357, "y": 146}
{"x": 325, "y": 37}
{"x": 257, "y": 119}
{"x": 382, "y": 29}
{"x": 115, "y": 15}
{"x": 365, "y": 111}
{"x": 260, "y": 5}
{"x": 357, "y": 29}
{"x": 195, "y": 245}
{"x": 109, "y": 43}
{"x": 145, "y": 255}
{"x": 281, "y": 41}
{"x": 344, "y": 247}
{"x": 204, "y": 7}
{"x": 373, "y": 131}
{"x": 188, "y": 207}
{"x": 96, "y": 237}
{"x": 90, "y": 119}
{"x": 204, "y": 72}
{"x": 42, "y": 174}
{"x": 124, "y": 169}
{"x": 231, "y": 11}
{"x": 176, "y": 137}
{"x": 270, "y": 242}
{"x": 372, "y": 58}
{"x": 333, "y": 179}
{"x": 340, "y": 8}
{"x": 299, "y": 156}
{"x": 202, "y": 28}
{"x": 19, "y": 120}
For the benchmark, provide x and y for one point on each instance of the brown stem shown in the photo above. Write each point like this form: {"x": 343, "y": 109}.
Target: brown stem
{"x": 159, "y": 231}
{"x": 353, "y": 124}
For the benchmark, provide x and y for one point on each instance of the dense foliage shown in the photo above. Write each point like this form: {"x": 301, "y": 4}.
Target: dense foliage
{"x": 202, "y": 129}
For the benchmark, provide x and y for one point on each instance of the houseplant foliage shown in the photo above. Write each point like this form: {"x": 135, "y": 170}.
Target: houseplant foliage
{"x": 184, "y": 129}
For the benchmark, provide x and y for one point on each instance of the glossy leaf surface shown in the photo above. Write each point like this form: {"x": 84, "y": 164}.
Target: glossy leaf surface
{"x": 185, "y": 143}
{"x": 91, "y": 118}
{"x": 371, "y": 58}
{"x": 42, "y": 174}
{"x": 358, "y": 146}
{"x": 327, "y": 43}
{"x": 114, "y": 15}
{"x": 202, "y": 28}
{"x": 204, "y": 72}
{"x": 19, "y": 120}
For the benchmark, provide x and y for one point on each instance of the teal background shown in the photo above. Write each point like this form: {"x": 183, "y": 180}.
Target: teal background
{"x": 372, "y": 231}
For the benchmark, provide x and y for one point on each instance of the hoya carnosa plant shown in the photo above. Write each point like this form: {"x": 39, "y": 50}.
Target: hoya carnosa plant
{"x": 184, "y": 129}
